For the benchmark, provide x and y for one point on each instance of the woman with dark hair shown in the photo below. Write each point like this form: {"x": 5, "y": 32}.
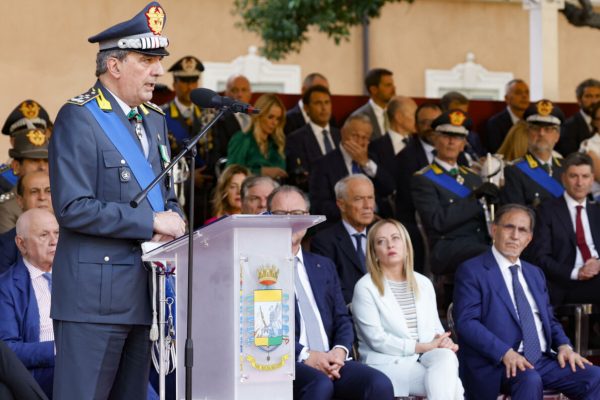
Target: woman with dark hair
{"x": 396, "y": 318}
{"x": 226, "y": 197}
{"x": 262, "y": 148}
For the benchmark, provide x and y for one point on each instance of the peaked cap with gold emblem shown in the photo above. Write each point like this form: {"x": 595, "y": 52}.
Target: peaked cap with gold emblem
{"x": 544, "y": 112}
{"x": 29, "y": 144}
{"x": 187, "y": 68}
{"x": 453, "y": 123}
{"x": 29, "y": 114}
{"x": 141, "y": 33}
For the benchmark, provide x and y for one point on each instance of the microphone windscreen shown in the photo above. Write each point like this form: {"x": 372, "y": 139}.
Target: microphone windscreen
{"x": 203, "y": 97}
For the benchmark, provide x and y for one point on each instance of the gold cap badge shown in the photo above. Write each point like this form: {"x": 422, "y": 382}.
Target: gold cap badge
{"x": 156, "y": 19}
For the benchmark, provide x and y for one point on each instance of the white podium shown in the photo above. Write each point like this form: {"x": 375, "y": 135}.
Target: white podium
{"x": 243, "y": 306}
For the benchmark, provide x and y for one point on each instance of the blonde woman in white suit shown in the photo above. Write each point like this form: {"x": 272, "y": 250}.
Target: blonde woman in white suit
{"x": 399, "y": 331}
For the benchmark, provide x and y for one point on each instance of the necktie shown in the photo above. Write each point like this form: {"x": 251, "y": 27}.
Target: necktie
{"x": 453, "y": 171}
{"x": 136, "y": 118}
{"x": 580, "y": 236}
{"x": 359, "y": 250}
{"x": 311, "y": 323}
{"x": 356, "y": 169}
{"x": 326, "y": 141}
{"x": 531, "y": 342}
{"x": 48, "y": 277}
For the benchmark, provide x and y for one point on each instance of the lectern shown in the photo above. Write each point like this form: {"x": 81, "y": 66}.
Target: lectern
{"x": 243, "y": 314}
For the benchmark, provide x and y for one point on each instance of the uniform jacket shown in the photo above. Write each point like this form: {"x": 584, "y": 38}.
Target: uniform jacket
{"x": 384, "y": 340}
{"x": 98, "y": 275}
{"x": 572, "y": 132}
{"x": 487, "y": 324}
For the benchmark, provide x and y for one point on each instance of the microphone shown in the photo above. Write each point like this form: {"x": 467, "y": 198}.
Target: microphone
{"x": 206, "y": 98}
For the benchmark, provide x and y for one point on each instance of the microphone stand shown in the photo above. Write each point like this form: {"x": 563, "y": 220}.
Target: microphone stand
{"x": 190, "y": 149}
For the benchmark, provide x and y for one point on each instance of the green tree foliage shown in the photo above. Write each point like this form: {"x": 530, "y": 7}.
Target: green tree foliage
{"x": 283, "y": 24}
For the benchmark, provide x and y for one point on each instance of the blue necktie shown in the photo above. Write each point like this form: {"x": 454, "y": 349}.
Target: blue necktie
{"x": 326, "y": 141}
{"x": 356, "y": 169}
{"x": 311, "y": 323}
{"x": 359, "y": 250}
{"x": 48, "y": 277}
{"x": 531, "y": 342}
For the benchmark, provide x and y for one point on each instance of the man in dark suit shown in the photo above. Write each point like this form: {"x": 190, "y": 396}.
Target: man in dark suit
{"x": 33, "y": 191}
{"x": 579, "y": 126}
{"x": 506, "y": 329}
{"x": 379, "y": 83}
{"x": 99, "y": 160}
{"x": 567, "y": 237}
{"x": 16, "y": 383}
{"x": 296, "y": 117}
{"x": 536, "y": 177}
{"x": 25, "y": 296}
{"x": 345, "y": 242}
{"x": 237, "y": 88}
{"x": 314, "y": 140}
{"x": 324, "y": 332}
{"x": 351, "y": 157}
{"x": 517, "y": 101}
{"x": 446, "y": 196}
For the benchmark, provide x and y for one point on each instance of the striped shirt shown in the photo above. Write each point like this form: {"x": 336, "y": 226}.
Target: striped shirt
{"x": 43, "y": 297}
{"x": 406, "y": 300}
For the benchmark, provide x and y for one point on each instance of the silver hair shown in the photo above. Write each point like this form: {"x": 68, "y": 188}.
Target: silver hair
{"x": 252, "y": 181}
{"x": 341, "y": 187}
{"x": 103, "y": 56}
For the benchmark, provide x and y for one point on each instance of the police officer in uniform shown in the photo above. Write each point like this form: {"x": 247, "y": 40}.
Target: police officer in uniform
{"x": 447, "y": 197}
{"x": 108, "y": 144}
{"x": 28, "y": 126}
{"x": 536, "y": 177}
{"x": 184, "y": 120}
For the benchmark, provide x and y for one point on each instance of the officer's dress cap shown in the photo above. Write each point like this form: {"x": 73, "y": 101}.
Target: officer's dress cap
{"x": 29, "y": 114}
{"x": 141, "y": 33}
{"x": 188, "y": 68}
{"x": 31, "y": 143}
{"x": 453, "y": 123}
{"x": 544, "y": 112}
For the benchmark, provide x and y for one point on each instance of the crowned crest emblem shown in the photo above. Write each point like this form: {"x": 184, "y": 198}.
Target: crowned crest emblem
{"x": 544, "y": 107}
{"x": 36, "y": 137}
{"x": 268, "y": 275}
{"x": 30, "y": 109}
{"x": 188, "y": 64}
{"x": 156, "y": 19}
{"x": 457, "y": 118}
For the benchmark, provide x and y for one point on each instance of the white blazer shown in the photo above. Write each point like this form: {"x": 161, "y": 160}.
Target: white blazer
{"x": 383, "y": 338}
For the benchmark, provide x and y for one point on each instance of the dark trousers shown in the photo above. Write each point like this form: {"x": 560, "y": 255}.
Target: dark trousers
{"x": 101, "y": 361}
{"x": 16, "y": 382}
{"x": 357, "y": 382}
{"x": 584, "y": 384}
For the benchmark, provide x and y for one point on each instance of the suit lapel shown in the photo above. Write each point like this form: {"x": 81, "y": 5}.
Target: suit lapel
{"x": 152, "y": 138}
{"x": 497, "y": 283}
{"x": 313, "y": 150}
{"x": 564, "y": 216}
{"x": 394, "y": 308}
{"x": 347, "y": 247}
{"x": 421, "y": 154}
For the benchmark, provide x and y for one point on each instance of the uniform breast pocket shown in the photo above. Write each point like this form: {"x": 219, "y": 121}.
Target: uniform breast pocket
{"x": 116, "y": 176}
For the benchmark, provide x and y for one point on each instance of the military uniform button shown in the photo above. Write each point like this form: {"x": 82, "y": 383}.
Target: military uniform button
{"x": 106, "y": 258}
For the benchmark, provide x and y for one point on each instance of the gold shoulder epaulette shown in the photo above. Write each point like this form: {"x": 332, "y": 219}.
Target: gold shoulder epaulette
{"x": 84, "y": 97}
{"x": 466, "y": 170}
{"x": 154, "y": 107}
{"x": 423, "y": 170}
{"x": 557, "y": 161}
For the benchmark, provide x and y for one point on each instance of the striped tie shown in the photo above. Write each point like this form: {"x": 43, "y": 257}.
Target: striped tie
{"x": 531, "y": 342}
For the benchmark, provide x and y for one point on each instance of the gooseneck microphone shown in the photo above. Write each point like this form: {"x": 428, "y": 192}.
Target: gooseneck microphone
{"x": 206, "y": 98}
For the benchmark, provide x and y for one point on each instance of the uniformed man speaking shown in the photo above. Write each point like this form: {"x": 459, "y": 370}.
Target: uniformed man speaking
{"x": 107, "y": 145}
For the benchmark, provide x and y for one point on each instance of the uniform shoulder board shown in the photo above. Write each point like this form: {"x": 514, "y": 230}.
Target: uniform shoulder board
{"x": 515, "y": 161}
{"x": 154, "y": 107}
{"x": 467, "y": 170}
{"x": 84, "y": 97}
{"x": 423, "y": 170}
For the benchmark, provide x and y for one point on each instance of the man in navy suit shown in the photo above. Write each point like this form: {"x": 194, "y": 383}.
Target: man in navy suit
{"x": 296, "y": 117}
{"x": 509, "y": 339}
{"x": 33, "y": 191}
{"x": 25, "y": 296}
{"x": 107, "y": 145}
{"x": 345, "y": 242}
{"x": 517, "y": 101}
{"x": 351, "y": 157}
{"x": 567, "y": 237}
{"x": 324, "y": 332}
{"x": 579, "y": 126}
{"x": 314, "y": 140}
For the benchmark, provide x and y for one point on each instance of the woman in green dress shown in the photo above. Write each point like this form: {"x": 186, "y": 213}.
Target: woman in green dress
{"x": 262, "y": 148}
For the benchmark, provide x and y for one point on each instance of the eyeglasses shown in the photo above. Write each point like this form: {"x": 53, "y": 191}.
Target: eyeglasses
{"x": 293, "y": 212}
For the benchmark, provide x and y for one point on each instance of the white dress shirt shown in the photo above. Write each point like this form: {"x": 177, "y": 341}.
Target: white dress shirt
{"x": 370, "y": 169}
{"x": 380, "y": 115}
{"x": 587, "y": 119}
{"x": 318, "y": 132}
{"x": 513, "y": 117}
{"x": 43, "y": 297}
{"x": 571, "y": 205}
{"x": 186, "y": 111}
{"x": 398, "y": 141}
{"x": 429, "y": 150}
{"x": 445, "y": 165}
{"x": 504, "y": 265}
